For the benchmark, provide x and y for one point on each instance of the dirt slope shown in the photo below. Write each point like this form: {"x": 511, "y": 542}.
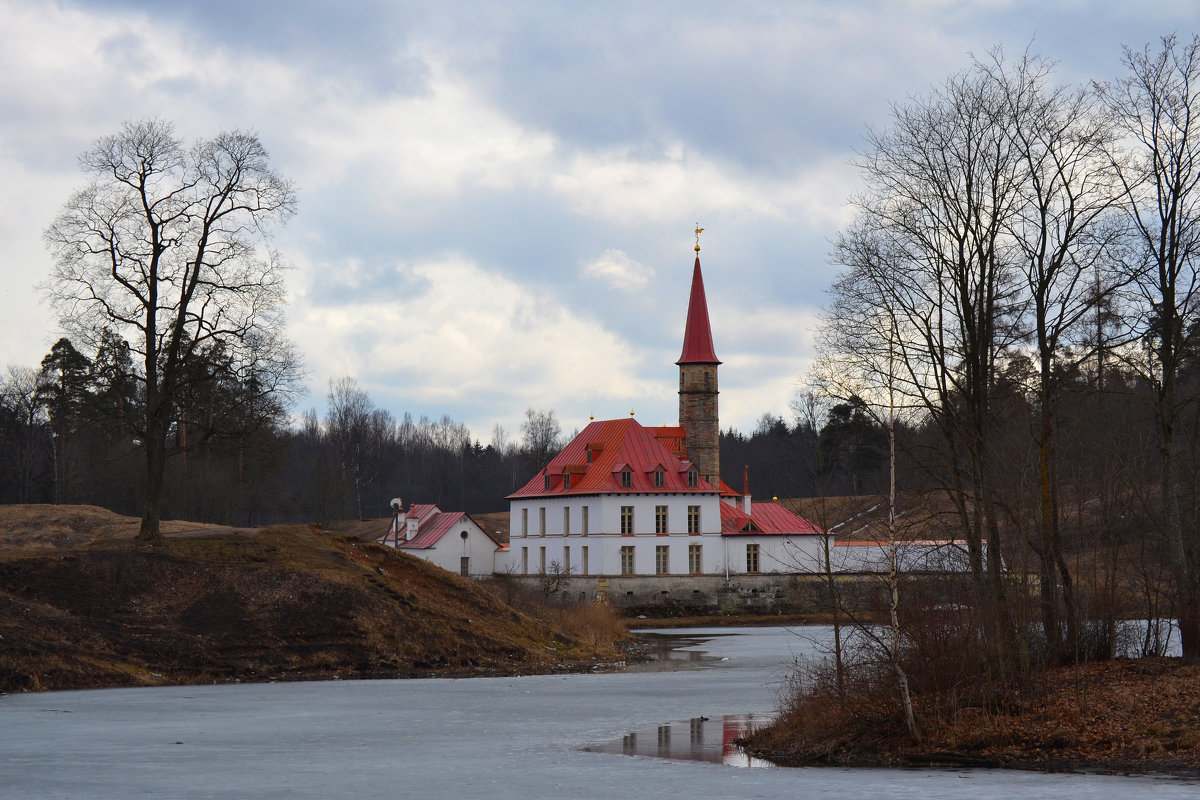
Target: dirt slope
{"x": 219, "y": 604}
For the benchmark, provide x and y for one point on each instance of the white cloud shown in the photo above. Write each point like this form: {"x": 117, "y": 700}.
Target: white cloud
{"x": 463, "y": 335}
{"x": 618, "y": 270}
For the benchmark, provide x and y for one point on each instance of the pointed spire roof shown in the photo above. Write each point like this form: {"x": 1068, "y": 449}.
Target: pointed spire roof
{"x": 697, "y": 336}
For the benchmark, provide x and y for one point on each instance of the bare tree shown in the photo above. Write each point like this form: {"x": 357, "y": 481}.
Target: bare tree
{"x": 1061, "y": 139}
{"x": 349, "y": 424}
{"x": 541, "y": 431}
{"x": 20, "y": 397}
{"x": 1157, "y": 107}
{"x": 166, "y": 247}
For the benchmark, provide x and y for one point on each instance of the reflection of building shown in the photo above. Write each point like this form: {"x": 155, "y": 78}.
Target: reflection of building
{"x": 450, "y": 539}
{"x": 623, "y": 500}
{"x": 697, "y": 739}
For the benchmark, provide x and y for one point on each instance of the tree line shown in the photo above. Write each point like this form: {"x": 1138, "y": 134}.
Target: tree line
{"x": 68, "y": 435}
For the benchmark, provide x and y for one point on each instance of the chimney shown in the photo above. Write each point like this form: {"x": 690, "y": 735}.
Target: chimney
{"x": 746, "y": 488}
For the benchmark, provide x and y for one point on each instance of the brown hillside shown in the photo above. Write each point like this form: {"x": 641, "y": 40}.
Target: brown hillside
{"x": 220, "y": 604}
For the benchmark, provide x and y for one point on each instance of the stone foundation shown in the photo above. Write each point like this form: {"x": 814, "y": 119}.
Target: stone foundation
{"x": 704, "y": 595}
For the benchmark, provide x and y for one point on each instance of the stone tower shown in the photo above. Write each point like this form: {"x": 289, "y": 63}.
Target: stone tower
{"x": 698, "y": 385}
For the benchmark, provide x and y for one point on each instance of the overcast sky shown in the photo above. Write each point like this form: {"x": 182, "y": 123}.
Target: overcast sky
{"x": 497, "y": 199}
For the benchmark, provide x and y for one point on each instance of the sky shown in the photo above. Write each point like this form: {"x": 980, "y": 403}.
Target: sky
{"x": 497, "y": 199}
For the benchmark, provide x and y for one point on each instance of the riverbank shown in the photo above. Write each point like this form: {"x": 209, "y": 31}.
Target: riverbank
{"x": 1120, "y": 716}
{"x": 84, "y": 605}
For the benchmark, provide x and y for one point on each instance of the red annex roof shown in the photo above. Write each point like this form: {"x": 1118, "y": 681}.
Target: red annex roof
{"x": 697, "y": 335}
{"x": 432, "y": 525}
{"x": 594, "y": 460}
{"x": 766, "y": 518}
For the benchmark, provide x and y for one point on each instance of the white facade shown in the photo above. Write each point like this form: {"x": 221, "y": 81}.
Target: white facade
{"x": 563, "y": 545}
{"x": 477, "y": 548}
{"x": 451, "y": 540}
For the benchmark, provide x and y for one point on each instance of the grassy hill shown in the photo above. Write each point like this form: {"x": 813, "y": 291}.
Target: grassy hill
{"x": 82, "y": 604}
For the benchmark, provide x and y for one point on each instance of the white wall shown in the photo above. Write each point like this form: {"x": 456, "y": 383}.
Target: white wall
{"x": 478, "y": 547}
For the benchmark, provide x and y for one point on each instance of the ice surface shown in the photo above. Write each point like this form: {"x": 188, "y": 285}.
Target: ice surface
{"x": 489, "y": 738}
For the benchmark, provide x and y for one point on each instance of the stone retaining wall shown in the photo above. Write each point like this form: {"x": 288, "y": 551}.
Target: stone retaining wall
{"x": 665, "y": 596}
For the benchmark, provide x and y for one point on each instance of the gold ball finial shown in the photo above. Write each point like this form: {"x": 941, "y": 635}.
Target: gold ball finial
{"x": 631, "y": 412}
{"x": 591, "y": 416}
{"x": 699, "y": 231}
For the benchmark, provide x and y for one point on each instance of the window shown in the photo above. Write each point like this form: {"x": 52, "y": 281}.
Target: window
{"x": 693, "y": 478}
{"x": 566, "y": 481}
{"x": 585, "y": 521}
{"x": 547, "y": 481}
{"x": 464, "y": 566}
{"x": 627, "y": 520}
{"x": 751, "y": 558}
{"x": 660, "y": 519}
{"x": 626, "y": 479}
{"x": 524, "y": 521}
{"x": 693, "y": 519}
{"x": 542, "y": 521}
{"x": 627, "y": 560}
{"x": 524, "y": 560}
{"x": 542, "y": 560}
{"x": 662, "y": 560}
{"x": 659, "y": 478}
{"x": 589, "y": 455}
{"x": 566, "y": 561}
{"x": 584, "y": 566}
{"x": 695, "y": 563}
{"x": 566, "y": 521}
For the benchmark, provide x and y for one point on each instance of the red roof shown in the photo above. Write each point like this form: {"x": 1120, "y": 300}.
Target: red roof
{"x": 767, "y": 518}
{"x": 432, "y": 525}
{"x": 697, "y": 335}
{"x": 674, "y": 438}
{"x": 614, "y": 445}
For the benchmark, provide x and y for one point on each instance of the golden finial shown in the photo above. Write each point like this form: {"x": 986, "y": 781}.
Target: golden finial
{"x": 699, "y": 231}
{"x": 631, "y": 413}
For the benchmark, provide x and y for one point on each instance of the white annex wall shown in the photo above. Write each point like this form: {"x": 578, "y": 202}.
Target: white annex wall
{"x": 451, "y": 548}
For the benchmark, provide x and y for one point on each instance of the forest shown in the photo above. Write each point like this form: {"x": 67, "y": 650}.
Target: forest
{"x": 67, "y": 437}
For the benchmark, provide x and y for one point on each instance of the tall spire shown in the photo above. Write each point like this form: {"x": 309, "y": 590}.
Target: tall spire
{"x": 698, "y": 383}
{"x": 697, "y": 335}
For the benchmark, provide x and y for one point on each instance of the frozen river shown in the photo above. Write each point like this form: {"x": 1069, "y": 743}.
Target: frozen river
{"x": 491, "y": 738}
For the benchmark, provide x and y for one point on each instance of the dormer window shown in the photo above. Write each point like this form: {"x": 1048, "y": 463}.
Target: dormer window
{"x": 659, "y": 478}
{"x": 693, "y": 479}
{"x": 547, "y": 482}
{"x": 589, "y": 455}
{"x": 626, "y": 479}
{"x": 566, "y": 481}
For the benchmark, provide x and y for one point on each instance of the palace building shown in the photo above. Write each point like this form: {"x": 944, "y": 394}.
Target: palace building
{"x": 622, "y": 500}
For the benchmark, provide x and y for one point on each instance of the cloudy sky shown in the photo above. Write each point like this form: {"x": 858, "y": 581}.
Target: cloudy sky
{"x": 497, "y": 198}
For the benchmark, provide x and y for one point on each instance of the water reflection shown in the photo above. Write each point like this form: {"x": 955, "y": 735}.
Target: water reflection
{"x": 667, "y": 654}
{"x": 696, "y": 739}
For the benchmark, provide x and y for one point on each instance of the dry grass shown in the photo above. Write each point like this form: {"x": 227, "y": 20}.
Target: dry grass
{"x": 593, "y": 624}
{"x": 1126, "y": 715}
{"x": 42, "y": 526}
{"x": 216, "y": 604}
